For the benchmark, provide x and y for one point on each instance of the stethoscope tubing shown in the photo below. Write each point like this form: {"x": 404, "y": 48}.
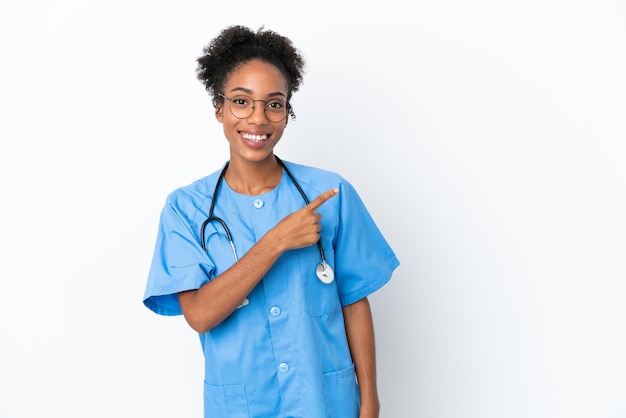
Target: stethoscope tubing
{"x": 306, "y": 201}
{"x": 212, "y": 217}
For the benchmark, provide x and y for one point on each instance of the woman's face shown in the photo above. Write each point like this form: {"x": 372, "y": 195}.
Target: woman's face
{"x": 253, "y": 138}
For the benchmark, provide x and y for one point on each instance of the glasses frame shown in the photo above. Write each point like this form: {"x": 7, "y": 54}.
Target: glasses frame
{"x": 287, "y": 104}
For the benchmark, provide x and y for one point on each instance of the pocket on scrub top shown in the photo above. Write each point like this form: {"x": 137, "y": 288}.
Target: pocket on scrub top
{"x": 341, "y": 393}
{"x": 225, "y": 401}
{"x": 320, "y": 298}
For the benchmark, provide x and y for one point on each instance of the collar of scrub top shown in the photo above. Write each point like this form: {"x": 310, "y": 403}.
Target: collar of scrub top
{"x": 323, "y": 271}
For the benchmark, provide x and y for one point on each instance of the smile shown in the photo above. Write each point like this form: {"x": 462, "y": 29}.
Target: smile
{"x": 254, "y": 138}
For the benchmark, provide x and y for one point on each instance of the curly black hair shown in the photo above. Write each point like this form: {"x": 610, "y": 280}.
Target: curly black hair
{"x": 237, "y": 45}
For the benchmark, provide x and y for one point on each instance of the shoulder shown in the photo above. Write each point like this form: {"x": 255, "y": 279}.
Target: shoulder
{"x": 314, "y": 177}
{"x": 189, "y": 199}
{"x": 317, "y": 180}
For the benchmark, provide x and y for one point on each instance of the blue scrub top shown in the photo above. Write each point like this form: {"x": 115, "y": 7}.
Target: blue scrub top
{"x": 285, "y": 354}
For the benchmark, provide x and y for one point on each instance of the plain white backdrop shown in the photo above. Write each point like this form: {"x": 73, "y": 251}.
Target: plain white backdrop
{"x": 486, "y": 138}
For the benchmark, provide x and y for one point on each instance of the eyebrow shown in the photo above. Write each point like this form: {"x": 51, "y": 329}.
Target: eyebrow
{"x": 248, "y": 91}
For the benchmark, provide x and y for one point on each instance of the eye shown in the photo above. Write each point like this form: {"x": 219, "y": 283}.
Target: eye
{"x": 242, "y": 101}
{"x": 276, "y": 105}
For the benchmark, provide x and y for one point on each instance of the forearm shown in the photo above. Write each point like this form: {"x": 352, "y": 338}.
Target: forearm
{"x": 360, "y": 333}
{"x": 206, "y": 307}
{"x": 209, "y": 305}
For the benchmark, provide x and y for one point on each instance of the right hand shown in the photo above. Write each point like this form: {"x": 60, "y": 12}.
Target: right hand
{"x": 301, "y": 228}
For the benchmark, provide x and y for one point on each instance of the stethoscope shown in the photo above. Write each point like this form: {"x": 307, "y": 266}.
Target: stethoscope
{"x": 323, "y": 271}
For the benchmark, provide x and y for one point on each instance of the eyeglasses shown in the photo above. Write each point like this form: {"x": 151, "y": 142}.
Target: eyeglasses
{"x": 242, "y": 107}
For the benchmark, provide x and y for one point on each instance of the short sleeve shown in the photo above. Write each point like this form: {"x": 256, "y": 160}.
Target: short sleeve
{"x": 178, "y": 263}
{"x": 364, "y": 261}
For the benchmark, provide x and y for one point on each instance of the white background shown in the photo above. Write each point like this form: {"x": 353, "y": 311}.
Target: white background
{"x": 486, "y": 138}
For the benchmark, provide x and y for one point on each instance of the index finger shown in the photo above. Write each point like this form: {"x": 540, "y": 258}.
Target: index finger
{"x": 321, "y": 199}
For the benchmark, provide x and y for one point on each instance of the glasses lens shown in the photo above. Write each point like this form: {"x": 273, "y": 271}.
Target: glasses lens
{"x": 243, "y": 106}
{"x": 276, "y": 110}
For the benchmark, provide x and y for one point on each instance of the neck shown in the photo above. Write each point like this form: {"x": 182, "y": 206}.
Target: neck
{"x": 253, "y": 178}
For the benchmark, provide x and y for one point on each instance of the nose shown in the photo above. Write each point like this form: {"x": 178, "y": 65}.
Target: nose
{"x": 257, "y": 116}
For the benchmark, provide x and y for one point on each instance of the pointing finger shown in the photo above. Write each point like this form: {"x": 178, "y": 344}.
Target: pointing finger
{"x": 321, "y": 199}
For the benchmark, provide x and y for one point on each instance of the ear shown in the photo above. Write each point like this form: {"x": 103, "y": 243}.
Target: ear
{"x": 219, "y": 115}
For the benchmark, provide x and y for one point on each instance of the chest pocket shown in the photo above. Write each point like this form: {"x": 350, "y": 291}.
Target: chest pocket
{"x": 320, "y": 299}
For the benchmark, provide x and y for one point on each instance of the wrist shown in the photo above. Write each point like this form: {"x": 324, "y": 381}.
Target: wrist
{"x": 370, "y": 407}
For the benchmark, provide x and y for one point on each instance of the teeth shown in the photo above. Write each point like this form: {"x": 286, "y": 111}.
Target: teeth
{"x": 256, "y": 138}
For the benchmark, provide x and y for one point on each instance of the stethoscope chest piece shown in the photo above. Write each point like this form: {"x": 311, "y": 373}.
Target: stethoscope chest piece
{"x": 325, "y": 273}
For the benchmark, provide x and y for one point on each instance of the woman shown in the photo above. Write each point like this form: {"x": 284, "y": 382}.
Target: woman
{"x": 276, "y": 285}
